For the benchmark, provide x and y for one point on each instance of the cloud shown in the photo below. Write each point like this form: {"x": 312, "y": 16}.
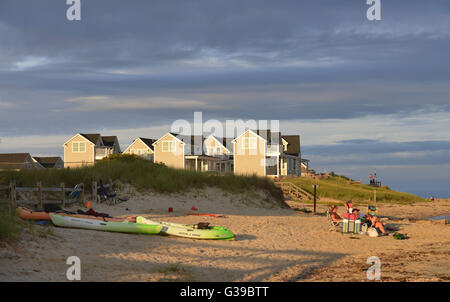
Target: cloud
{"x": 6, "y": 105}
{"x": 29, "y": 63}
{"x": 109, "y": 103}
{"x": 319, "y": 67}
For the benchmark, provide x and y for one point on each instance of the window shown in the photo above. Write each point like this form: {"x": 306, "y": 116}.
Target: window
{"x": 168, "y": 146}
{"x": 78, "y": 147}
{"x": 218, "y": 150}
{"x": 249, "y": 143}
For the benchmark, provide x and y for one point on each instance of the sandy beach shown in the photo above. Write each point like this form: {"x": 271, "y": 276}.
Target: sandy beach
{"x": 273, "y": 243}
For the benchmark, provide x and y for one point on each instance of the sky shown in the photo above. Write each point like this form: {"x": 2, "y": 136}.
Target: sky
{"x": 362, "y": 94}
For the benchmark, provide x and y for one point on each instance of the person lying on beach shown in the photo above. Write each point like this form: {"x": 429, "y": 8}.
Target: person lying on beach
{"x": 376, "y": 223}
{"x": 334, "y": 215}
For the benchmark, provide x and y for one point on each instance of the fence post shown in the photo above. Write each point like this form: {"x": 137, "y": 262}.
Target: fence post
{"x": 63, "y": 194}
{"x": 39, "y": 185}
{"x": 94, "y": 191}
{"x": 12, "y": 196}
{"x": 82, "y": 192}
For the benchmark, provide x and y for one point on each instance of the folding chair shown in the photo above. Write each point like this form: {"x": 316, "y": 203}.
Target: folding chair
{"x": 76, "y": 192}
{"x": 105, "y": 195}
{"x": 334, "y": 225}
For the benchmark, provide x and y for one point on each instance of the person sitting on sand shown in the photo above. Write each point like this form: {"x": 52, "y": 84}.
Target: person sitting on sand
{"x": 349, "y": 206}
{"x": 334, "y": 215}
{"x": 376, "y": 223}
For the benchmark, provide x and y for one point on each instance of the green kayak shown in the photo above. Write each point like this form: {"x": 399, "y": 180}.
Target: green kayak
{"x": 189, "y": 231}
{"x": 100, "y": 225}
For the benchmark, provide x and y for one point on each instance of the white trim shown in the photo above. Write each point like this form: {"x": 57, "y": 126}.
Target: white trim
{"x": 287, "y": 144}
{"x": 170, "y": 135}
{"x": 81, "y": 137}
{"x": 252, "y": 143}
{"x": 79, "y": 144}
{"x": 135, "y": 140}
{"x": 170, "y": 149}
{"x": 218, "y": 142}
{"x": 234, "y": 140}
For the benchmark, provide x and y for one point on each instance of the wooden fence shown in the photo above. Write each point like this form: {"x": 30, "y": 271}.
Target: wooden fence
{"x": 13, "y": 191}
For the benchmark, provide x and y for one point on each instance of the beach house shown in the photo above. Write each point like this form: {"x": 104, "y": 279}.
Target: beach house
{"x": 141, "y": 146}
{"x": 221, "y": 149}
{"x": 193, "y": 152}
{"x": 49, "y": 162}
{"x": 85, "y": 149}
{"x": 266, "y": 153}
{"x": 169, "y": 150}
{"x": 17, "y": 161}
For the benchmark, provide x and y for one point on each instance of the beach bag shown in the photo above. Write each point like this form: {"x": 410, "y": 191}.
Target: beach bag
{"x": 203, "y": 225}
{"x": 364, "y": 228}
{"x": 372, "y": 232}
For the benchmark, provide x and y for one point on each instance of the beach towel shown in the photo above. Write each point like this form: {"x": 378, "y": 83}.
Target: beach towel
{"x": 351, "y": 216}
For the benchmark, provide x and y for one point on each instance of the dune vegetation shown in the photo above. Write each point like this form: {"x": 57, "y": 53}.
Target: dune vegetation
{"x": 343, "y": 188}
{"x": 142, "y": 174}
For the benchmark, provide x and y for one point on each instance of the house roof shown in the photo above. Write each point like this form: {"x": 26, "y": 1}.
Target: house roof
{"x": 109, "y": 141}
{"x": 171, "y": 134}
{"x": 48, "y": 161}
{"x": 227, "y": 142}
{"x": 192, "y": 140}
{"x": 272, "y": 138}
{"x": 13, "y": 160}
{"x": 293, "y": 147}
{"x": 148, "y": 142}
{"x": 92, "y": 137}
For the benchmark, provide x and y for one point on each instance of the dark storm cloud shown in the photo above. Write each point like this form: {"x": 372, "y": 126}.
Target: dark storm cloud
{"x": 160, "y": 48}
{"x": 142, "y": 63}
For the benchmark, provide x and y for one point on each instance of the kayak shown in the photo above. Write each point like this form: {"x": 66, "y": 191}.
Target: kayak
{"x": 107, "y": 219}
{"x": 28, "y": 214}
{"x": 69, "y": 221}
{"x": 189, "y": 231}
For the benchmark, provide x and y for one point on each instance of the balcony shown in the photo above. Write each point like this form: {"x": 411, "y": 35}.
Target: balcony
{"x": 101, "y": 153}
{"x": 273, "y": 150}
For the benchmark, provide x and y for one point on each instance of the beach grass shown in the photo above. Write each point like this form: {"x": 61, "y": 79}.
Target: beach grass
{"x": 142, "y": 174}
{"x": 10, "y": 226}
{"x": 343, "y": 188}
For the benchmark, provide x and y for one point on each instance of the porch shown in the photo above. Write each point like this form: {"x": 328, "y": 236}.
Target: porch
{"x": 205, "y": 163}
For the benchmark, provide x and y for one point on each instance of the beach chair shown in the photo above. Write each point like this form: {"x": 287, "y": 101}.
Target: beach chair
{"x": 75, "y": 192}
{"x": 334, "y": 225}
{"x": 104, "y": 195}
